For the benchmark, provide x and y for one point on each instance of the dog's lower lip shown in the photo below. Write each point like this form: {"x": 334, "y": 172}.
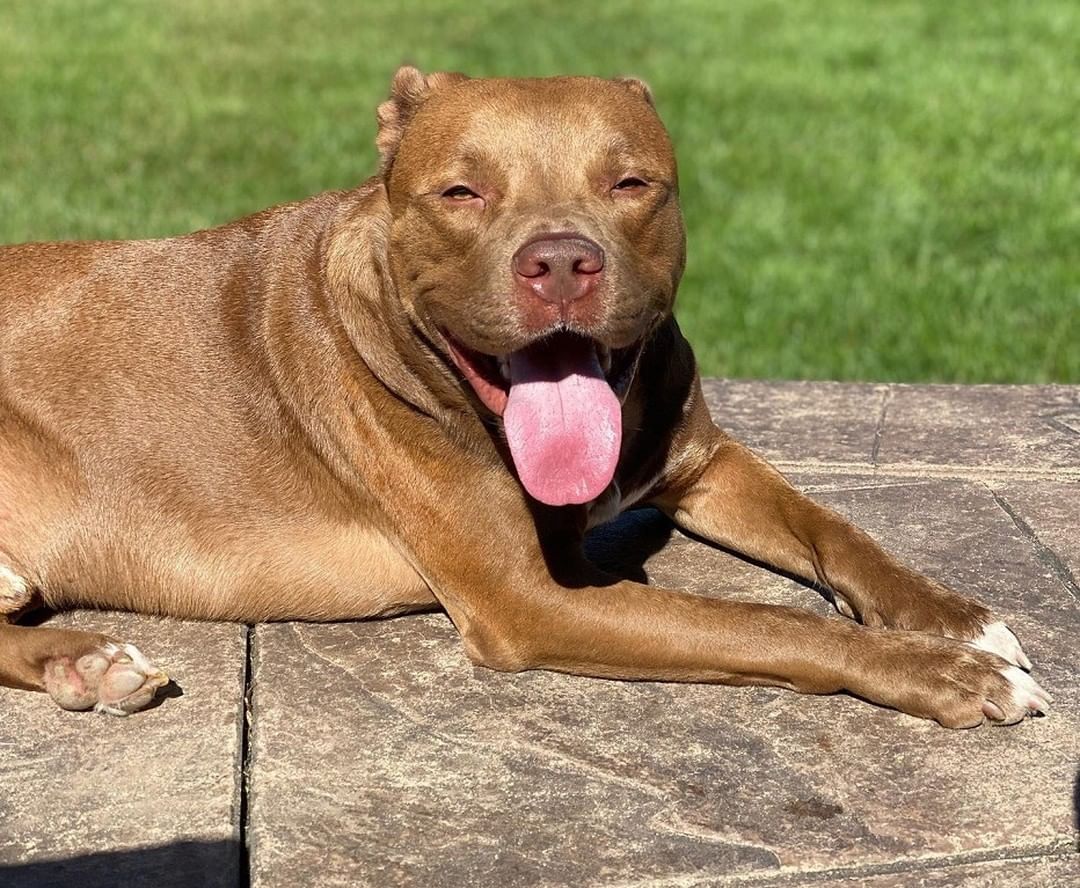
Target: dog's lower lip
{"x": 488, "y": 375}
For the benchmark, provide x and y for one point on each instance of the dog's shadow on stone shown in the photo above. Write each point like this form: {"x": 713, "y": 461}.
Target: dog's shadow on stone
{"x": 183, "y": 864}
{"x": 169, "y": 692}
{"x": 623, "y": 545}
{"x": 1076, "y": 809}
{"x": 39, "y": 616}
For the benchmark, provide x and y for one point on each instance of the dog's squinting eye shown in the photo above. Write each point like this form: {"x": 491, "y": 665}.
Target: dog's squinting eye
{"x": 630, "y": 184}
{"x": 460, "y": 192}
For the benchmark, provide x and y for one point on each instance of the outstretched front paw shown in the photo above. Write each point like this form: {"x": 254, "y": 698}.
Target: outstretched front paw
{"x": 114, "y": 678}
{"x": 977, "y": 688}
{"x": 926, "y": 606}
{"x": 956, "y": 684}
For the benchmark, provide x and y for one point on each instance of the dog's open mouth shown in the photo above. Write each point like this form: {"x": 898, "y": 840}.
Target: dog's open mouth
{"x": 560, "y": 402}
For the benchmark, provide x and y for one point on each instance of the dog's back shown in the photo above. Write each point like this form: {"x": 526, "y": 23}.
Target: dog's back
{"x": 138, "y": 404}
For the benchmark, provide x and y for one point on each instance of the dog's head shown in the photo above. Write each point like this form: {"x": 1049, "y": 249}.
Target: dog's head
{"x": 537, "y": 238}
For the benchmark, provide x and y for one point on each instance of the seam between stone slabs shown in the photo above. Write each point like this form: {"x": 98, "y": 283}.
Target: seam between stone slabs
{"x": 1043, "y": 552}
{"x": 795, "y": 878}
{"x": 922, "y": 865}
{"x": 879, "y": 428}
{"x": 246, "y": 761}
{"x": 920, "y": 470}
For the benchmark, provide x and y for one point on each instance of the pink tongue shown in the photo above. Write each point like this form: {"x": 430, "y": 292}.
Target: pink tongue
{"x": 563, "y": 422}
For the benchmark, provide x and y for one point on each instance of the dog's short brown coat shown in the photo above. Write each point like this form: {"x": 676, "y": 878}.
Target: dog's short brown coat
{"x": 266, "y": 421}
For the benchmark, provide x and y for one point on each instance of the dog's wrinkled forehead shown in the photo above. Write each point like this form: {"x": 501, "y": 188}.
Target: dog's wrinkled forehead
{"x": 558, "y": 132}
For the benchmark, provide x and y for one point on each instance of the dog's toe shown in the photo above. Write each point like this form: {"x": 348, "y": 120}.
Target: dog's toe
{"x": 1023, "y": 697}
{"x": 997, "y": 638}
{"x": 115, "y": 679}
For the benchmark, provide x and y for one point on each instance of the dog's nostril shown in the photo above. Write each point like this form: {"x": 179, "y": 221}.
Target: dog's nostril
{"x": 530, "y": 266}
{"x": 591, "y": 264}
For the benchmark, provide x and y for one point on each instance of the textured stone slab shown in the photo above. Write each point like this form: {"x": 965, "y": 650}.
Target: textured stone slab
{"x": 799, "y": 421}
{"x": 1049, "y": 513}
{"x": 151, "y": 799}
{"x": 901, "y": 789}
{"x": 958, "y": 532}
{"x": 382, "y": 754}
{"x": 1019, "y": 427}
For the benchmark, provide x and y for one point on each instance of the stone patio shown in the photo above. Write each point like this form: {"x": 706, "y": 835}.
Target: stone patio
{"x": 374, "y": 754}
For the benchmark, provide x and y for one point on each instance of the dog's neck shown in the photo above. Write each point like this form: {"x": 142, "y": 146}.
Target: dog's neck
{"x": 394, "y": 347}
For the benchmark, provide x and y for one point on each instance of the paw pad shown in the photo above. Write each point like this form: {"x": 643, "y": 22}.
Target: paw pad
{"x": 115, "y": 679}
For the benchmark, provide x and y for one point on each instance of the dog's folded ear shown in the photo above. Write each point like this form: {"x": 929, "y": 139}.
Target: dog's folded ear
{"x": 638, "y": 88}
{"x": 408, "y": 91}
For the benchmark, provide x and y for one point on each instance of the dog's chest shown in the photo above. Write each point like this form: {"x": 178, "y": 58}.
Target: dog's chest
{"x": 613, "y": 501}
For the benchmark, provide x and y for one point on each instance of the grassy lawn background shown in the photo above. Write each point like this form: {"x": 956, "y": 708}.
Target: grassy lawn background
{"x": 873, "y": 190}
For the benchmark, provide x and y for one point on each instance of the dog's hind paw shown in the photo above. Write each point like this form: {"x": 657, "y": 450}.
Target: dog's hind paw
{"x": 15, "y": 593}
{"x": 115, "y": 678}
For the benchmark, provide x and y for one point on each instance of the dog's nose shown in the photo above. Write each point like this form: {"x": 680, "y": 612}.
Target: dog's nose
{"x": 559, "y": 269}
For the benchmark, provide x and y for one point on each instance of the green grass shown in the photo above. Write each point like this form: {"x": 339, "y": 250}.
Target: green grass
{"x": 872, "y": 190}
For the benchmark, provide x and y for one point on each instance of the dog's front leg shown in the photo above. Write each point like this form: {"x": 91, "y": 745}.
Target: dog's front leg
{"x": 735, "y": 499}
{"x": 632, "y": 631}
{"x": 497, "y": 584}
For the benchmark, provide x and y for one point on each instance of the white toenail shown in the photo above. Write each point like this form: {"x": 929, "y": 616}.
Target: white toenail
{"x": 844, "y": 607}
{"x": 108, "y": 710}
{"x": 139, "y": 660}
{"x": 1026, "y": 692}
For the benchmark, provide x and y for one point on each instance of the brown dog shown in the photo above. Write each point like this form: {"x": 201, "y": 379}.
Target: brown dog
{"x": 422, "y": 392}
